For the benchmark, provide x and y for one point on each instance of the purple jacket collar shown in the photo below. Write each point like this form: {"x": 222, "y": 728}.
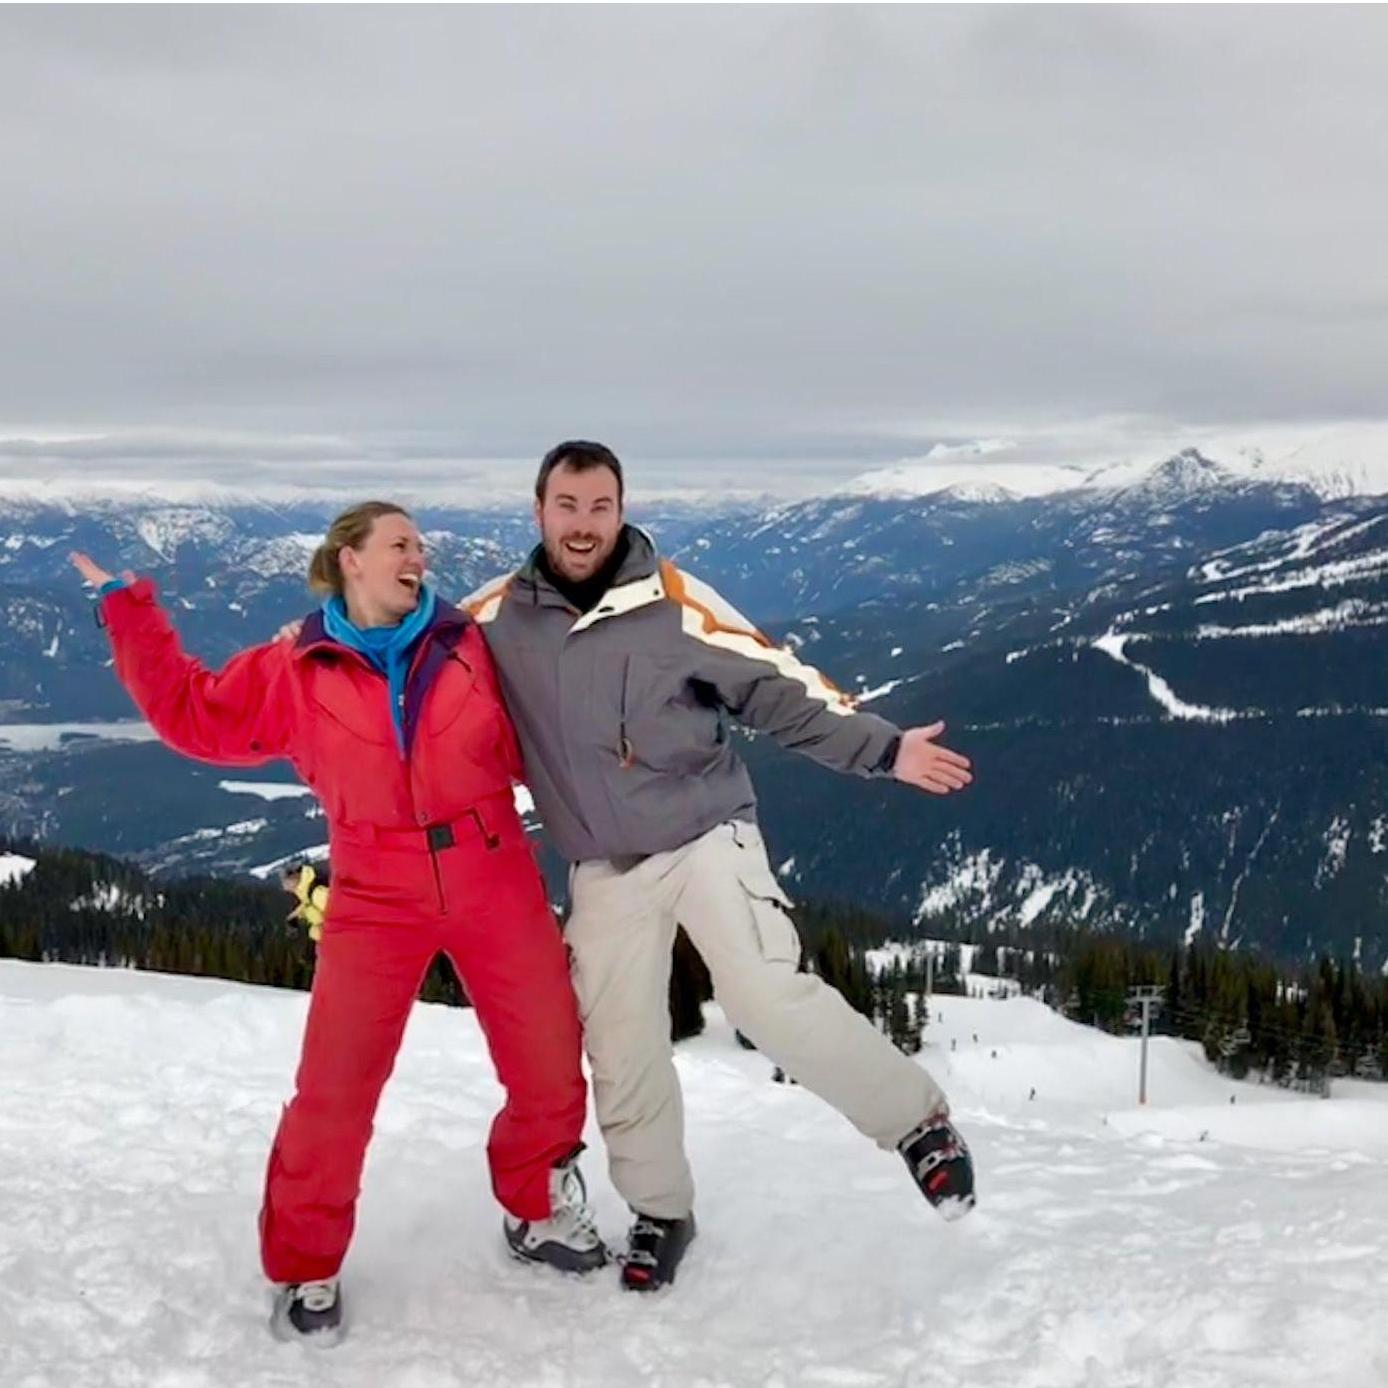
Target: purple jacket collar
{"x": 448, "y": 621}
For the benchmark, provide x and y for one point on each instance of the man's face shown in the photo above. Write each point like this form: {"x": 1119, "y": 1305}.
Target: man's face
{"x": 580, "y": 519}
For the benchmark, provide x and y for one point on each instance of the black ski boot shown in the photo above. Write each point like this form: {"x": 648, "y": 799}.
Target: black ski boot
{"x": 310, "y": 1312}
{"x": 939, "y": 1162}
{"x": 654, "y": 1249}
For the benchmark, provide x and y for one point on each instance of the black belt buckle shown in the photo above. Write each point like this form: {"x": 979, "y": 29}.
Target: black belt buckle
{"x": 440, "y": 836}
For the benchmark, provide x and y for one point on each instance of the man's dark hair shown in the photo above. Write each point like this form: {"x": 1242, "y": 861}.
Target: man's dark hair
{"x": 581, "y": 455}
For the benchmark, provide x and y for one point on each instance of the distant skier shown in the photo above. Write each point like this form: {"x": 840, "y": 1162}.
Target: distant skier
{"x": 387, "y": 705}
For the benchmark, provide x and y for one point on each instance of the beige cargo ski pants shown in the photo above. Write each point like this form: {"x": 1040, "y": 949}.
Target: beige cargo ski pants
{"x": 721, "y": 889}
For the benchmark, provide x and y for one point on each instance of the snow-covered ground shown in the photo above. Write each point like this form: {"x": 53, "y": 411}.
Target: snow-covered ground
{"x": 1192, "y": 1244}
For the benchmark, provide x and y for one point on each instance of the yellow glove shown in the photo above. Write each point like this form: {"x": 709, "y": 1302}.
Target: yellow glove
{"x": 312, "y": 897}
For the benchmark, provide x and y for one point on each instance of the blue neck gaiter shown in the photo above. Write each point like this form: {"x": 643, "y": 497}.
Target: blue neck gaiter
{"x": 389, "y": 649}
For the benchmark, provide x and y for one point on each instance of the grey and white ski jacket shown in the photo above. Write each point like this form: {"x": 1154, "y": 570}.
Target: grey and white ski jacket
{"x": 623, "y": 711}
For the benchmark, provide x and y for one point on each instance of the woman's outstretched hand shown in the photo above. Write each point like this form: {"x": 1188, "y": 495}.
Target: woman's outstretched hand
{"x": 93, "y": 573}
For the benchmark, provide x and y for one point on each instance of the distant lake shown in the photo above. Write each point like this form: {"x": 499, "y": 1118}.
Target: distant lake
{"x": 49, "y": 737}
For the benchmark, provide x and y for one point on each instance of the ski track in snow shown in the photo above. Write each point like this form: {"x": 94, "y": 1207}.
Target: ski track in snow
{"x": 1112, "y": 644}
{"x": 1192, "y": 1244}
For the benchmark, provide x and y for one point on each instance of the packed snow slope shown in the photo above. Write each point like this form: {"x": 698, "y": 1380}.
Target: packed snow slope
{"x": 1192, "y": 1244}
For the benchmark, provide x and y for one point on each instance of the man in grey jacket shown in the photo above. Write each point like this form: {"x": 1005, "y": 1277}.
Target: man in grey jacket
{"x": 621, "y": 672}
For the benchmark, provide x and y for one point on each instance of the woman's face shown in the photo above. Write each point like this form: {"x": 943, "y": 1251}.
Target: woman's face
{"x": 382, "y": 579}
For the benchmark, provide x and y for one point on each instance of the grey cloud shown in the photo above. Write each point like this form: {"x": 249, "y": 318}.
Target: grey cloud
{"x": 115, "y": 449}
{"x": 760, "y": 232}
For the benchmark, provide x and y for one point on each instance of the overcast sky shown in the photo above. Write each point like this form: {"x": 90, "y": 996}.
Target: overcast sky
{"x": 762, "y": 243}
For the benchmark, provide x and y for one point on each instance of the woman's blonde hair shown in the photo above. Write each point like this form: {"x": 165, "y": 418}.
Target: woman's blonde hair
{"x": 351, "y": 529}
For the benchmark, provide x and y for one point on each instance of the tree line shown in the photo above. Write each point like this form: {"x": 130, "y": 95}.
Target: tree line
{"x": 1294, "y": 1025}
{"x": 1298, "y": 1026}
{"x": 76, "y": 907}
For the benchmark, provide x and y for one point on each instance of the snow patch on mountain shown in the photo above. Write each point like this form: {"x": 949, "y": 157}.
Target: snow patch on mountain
{"x": 109, "y": 896}
{"x": 14, "y": 867}
{"x": 1378, "y": 834}
{"x": 1335, "y": 574}
{"x": 166, "y": 530}
{"x": 972, "y": 877}
{"x": 994, "y": 890}
{"x": 1112, "y": 644}
{"x": 1354, "y": 612}
{"x": 836, "y": 520}
{"x": 878, "y": 691}
{"x": 1014, "y": 572}
{"x": 1337, "y": 838}
{"x": 1297, "y": 544}
{"x": 1197, "y": 918}
{"x": 1036, "y": 900}
{"x": 283, "y": 556}
{"x": 883, "y": 958}
{"x": 315, "y": 853}
{"x": 265, "y": 790}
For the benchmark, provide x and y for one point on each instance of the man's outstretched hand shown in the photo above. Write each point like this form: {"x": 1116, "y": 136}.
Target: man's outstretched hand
{"x": 923, "y": 763}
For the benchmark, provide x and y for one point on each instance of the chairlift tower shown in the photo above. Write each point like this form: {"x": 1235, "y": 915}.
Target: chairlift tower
{"x": 1149, "y": 999}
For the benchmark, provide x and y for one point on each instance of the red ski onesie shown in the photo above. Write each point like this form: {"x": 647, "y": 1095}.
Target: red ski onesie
{"x": 428, "y": 854}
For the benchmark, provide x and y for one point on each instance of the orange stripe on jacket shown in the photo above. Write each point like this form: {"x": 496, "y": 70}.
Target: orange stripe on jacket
{"x": 675, "y": 589}
{"x": 491, "y": 595}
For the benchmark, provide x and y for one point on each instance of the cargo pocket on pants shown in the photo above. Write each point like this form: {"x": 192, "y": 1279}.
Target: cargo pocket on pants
{"x": 777, "y": 938}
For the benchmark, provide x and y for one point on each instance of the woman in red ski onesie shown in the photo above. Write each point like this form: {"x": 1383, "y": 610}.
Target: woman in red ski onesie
{"x": 387, "y": 705}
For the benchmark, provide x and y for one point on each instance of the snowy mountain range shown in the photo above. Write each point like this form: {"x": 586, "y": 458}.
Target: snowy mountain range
{"x": 1334, "y": 460}
{"x": 1203, "y": 751}
{"x": 1170, "y": 680}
